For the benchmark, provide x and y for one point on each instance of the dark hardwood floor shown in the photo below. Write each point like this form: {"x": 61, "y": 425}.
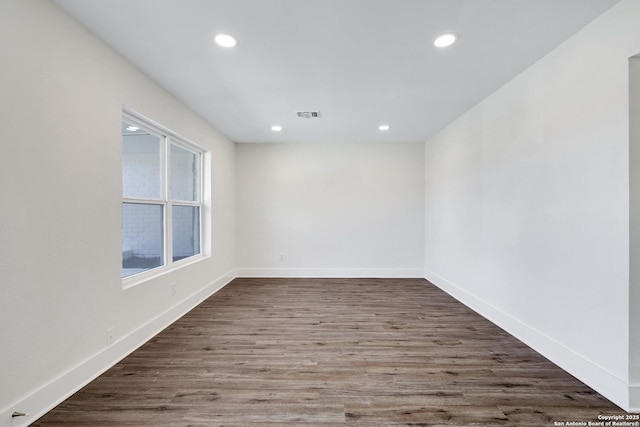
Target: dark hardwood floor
{"x": 332, "y": 352}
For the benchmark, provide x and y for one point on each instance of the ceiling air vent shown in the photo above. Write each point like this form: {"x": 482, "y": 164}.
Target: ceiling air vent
{"x": 308, "y": 114}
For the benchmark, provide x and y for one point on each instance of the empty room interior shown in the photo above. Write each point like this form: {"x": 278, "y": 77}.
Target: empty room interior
{"x": 375, "y": 211}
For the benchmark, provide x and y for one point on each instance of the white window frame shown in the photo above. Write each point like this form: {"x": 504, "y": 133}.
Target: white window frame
{"x": 168, "y": 138}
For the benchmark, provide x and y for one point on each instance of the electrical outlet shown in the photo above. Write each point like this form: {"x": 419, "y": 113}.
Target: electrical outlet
{"x": 173, "y": 289}
{"x": 109, "y": 336}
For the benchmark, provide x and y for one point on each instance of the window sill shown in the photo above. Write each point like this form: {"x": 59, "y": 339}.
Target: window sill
{"x": 145, "y": 276}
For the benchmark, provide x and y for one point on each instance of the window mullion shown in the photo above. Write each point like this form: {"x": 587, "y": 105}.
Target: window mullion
{"x": 185, "y": 203}
{"x": 143, "y": 201}
{"x": 168, "y": 228}
{"x": 201, "y": 199}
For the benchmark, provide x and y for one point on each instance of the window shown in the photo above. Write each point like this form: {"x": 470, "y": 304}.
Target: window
{"x": 161, "y": 197}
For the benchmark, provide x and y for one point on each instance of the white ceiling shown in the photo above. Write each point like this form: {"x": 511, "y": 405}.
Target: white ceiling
{"x": 361, "y": 63}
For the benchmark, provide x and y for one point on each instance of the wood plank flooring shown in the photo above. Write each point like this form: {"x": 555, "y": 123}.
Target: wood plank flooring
{"x": 331, "y": 352}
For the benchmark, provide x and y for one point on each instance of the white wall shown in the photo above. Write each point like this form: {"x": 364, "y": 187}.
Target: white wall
{"x": 62, "y": 93}
{"x": 330, "y": 209}
{"x": 527, "y": 202}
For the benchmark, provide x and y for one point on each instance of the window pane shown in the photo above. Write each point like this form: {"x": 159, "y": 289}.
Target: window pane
{"x": 186, "y": 231}
{"x": 141, "y": 163}
{"x": 142, "y": 237}
{"x": 185, "y": 172}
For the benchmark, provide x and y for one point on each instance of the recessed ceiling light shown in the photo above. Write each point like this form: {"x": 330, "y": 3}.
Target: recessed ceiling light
{"x": 384, "y": 127}
{"x": 225, "y": 40}
{"x": 276, "y": 128}
{"x": 445, "y": 40}
{"x": 132, "y": 128}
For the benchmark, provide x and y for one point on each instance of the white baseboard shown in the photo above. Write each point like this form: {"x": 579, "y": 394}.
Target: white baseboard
{"x": 634, "y": 399}
{"x": 50, "y": 395}
{"x": 394, "y": 273}
{"x": 605, "y": 383}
